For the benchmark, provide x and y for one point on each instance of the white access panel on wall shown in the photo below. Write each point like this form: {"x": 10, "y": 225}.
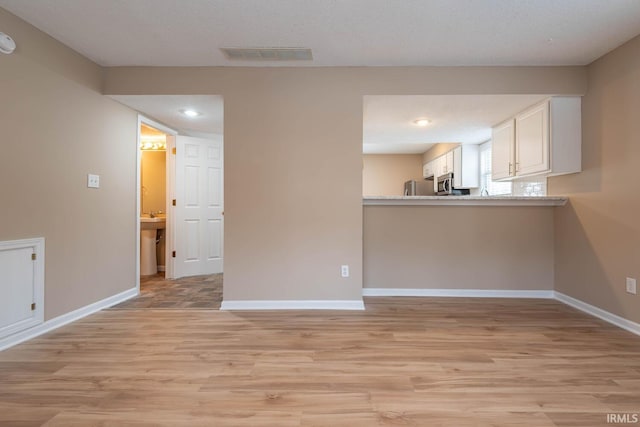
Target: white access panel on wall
{"x": 199, "y": 207}
{"x": 21, "y": 285}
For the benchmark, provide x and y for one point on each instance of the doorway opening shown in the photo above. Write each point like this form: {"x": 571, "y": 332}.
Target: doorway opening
{"x": 180, "y": 201}
{"x": 153, "y": 200}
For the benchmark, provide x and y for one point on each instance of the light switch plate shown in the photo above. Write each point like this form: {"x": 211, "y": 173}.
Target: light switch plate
{"x": 93, "y": 181}
{"x": 631, "y": 285}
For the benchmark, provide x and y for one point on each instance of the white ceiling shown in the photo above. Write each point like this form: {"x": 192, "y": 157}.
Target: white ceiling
{"x": 340, "y": 32}
{"x": 166, "y": 110}
{"x": 389, "y": 128}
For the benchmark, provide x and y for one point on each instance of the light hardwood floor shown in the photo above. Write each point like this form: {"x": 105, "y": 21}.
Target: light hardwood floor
{"x": 404, "y": 361}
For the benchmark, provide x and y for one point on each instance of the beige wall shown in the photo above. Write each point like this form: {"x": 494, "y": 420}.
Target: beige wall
{"x": 453, "y": 247}
{"x": 293, "y": 163}
{"x": 385, "y": 174}
{"x": 293, "y": 178}
{"x": 438, "y": 150}
{"x": 153, "y": 167}
{"x": 57, "y": 128}
{"x": 598, "y": 232}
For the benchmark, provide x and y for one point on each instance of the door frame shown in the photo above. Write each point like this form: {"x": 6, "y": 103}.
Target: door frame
{"x": 170, "y": 181}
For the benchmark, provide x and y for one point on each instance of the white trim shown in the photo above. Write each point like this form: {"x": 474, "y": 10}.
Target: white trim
{"x": 169, "y": 225}
{"x": 138, "y": 200}
{"x": 147, "y": 121}
{"x": 465, "y": 293}
{"x": 64, "y": 319}
{"x": 293, "y": 305}
{"x": 614, "y": 319}
{"x": 463, "y": 201}
{"x": 38, "y": 246}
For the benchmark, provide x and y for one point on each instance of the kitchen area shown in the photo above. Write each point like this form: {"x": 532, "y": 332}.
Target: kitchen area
{"x": 455, "y": 195}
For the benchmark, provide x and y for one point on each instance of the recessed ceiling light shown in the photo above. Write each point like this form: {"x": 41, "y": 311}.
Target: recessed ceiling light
{"x": 191, "y": 113}
{"x": 422, "y": 122}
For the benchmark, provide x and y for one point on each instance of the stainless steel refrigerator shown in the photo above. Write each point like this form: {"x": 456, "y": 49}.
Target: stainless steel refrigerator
{"x": 418, "y": 188}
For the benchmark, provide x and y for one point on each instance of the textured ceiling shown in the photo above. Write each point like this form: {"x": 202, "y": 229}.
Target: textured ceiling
{"x": 340, "y": 32}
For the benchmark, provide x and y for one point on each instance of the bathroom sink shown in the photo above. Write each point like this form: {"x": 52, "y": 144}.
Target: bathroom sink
{"x": 157, "y": 223}
{"x": 156, "y": 219}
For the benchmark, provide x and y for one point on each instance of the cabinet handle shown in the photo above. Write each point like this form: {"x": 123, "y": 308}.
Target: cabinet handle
{"x": 517, "y": 167}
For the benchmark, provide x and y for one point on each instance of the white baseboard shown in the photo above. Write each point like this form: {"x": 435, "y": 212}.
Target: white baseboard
{"x": 468, "y": 293}
{"x": 614, "y": 319}
{"x": 62, "y": 320}
{"x": 293, "y": 305}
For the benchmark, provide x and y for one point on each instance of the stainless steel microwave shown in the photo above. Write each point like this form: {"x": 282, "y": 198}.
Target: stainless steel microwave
{"x": 445, "y": 184}
{"x": 445, "y": 187}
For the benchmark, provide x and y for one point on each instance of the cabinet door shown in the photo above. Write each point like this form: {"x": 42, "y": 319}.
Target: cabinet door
{"x": 502, "y": 151}
{"x": 448, "y": 162}
{"x": 437, "y": 171}
{"x": 443, "y": 164}
{"x": 427, "y": 170}
{"x": 532, "y": 140}
{"x": 457, "y": 167}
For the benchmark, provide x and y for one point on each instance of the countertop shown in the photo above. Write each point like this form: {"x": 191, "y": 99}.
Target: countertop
{"x": 463, "y": 201}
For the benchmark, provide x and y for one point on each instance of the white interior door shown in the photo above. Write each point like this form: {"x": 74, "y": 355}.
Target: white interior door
{"x": 199, "y": 207}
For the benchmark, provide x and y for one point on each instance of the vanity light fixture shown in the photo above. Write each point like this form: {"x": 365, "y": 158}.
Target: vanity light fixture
{"x": 422, "y": 122}
{"x": 153, "y": 142}
{"x": 191, "y": 113}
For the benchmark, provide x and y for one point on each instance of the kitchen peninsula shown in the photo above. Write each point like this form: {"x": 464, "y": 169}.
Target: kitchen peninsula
{"x": 459, "y": 246}
{"x": 463, "y": 201}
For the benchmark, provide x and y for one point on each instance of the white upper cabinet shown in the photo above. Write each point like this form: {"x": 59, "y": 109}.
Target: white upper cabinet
{"x": 448, "y": 163}
{"x": 439, "y": 166}
{"x": 466, "y": 166}
{"x": 463, "y": 162}
{"x": 503, "y": 150}
{"x": 443, "y": 164}
{"x": 427, "y": 170}
{"x": 545, "y": 140}
{"x": 532, "y": 140}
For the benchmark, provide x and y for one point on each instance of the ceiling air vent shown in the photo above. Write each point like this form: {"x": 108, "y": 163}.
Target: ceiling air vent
{"x": 268, "y": 53}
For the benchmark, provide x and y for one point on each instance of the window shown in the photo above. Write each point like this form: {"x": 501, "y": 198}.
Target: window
{"x": 487, "y": 186}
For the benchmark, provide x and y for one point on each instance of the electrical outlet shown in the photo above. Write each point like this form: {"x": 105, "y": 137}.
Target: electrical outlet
{"x": 631, "y": 285}
{"x": 93, "y": 181}
{"x": 344, "y": 271}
